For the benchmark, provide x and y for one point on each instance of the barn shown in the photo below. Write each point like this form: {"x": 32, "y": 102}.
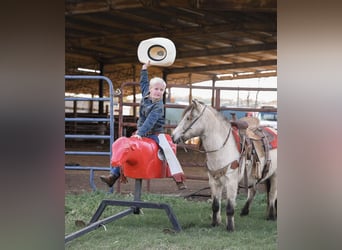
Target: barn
{"x": 215, "y": 41}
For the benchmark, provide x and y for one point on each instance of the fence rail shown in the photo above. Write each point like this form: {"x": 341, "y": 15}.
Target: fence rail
{"x": 94, "y": 120}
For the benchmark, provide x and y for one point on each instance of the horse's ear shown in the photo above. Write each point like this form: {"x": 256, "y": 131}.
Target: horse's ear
{"x": 195, "y": 102}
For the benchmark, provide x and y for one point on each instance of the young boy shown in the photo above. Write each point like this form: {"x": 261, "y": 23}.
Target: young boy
{"x": 151, "y": 118}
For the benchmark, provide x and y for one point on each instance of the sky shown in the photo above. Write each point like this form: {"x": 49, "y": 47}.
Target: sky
{"x": 228, "y": 98}
{"x": 262, "y": 97}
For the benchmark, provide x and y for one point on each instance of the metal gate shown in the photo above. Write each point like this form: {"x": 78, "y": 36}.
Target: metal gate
{"x": 109, "y": 137}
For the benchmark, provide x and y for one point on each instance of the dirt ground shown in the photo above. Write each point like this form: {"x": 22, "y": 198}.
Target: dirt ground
{"x": 78, "y": 181}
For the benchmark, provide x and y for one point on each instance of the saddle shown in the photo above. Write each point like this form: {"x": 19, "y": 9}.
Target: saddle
{"x": 254, "y": 142}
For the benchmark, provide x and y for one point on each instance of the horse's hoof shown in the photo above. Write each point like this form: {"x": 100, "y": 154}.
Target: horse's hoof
{"x": 271, "y": 217}
{"x": 245, "y": 209}
{"x": 272, "y": 214}
{"x": 244, "y": 212}
{"x": 214, "y": 224}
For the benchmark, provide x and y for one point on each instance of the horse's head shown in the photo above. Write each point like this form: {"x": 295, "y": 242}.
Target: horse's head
{"x": 191, "y": 124}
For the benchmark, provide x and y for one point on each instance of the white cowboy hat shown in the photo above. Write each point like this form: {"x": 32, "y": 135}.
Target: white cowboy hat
{"x": 158, "y": 50}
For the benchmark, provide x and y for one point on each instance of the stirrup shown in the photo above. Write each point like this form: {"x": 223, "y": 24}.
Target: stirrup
{"x": 161, "y": 155}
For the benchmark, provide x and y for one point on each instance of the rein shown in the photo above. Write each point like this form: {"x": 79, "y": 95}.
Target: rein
{"x": 193, "y": 122}
{"x": 222, "y": 171}
{"x": 224, "y": 143}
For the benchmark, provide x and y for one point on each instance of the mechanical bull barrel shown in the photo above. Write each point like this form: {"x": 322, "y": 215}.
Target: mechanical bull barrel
{"x": 139, "y": 159}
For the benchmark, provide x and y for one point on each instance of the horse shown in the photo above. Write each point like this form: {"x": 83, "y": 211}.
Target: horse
{"x": 232, "y": 159}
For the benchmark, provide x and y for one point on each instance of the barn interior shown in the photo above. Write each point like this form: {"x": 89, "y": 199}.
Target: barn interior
{"x": 215, "y": 40}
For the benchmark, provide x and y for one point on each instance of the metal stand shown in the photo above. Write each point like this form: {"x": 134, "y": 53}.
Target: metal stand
{"x": 134, "y": 205}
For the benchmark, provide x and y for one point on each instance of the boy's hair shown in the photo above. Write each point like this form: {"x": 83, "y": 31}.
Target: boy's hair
{"x": 155, "y": 80}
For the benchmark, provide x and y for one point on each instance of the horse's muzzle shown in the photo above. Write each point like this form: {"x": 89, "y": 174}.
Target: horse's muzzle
{"x": 176, "y": 139}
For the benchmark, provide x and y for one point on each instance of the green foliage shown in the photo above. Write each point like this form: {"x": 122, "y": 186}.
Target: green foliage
{"x": 152, "y": 229}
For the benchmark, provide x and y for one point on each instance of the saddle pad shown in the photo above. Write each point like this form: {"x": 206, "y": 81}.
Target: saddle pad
{"x": 237, "y": 137}
{"x": 258, "y": 133}
{"x": 272, "y": 136}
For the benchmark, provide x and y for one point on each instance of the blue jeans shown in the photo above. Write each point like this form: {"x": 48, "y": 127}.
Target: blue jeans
{"x": 115, "y": 170}
{"x": 154, "y": 137}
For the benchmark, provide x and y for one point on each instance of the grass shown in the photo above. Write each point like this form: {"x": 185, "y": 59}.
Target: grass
{"x": 153, "y": 230}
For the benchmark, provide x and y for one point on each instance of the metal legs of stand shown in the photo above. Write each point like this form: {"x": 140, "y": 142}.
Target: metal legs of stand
{"x": 134, "y": 208}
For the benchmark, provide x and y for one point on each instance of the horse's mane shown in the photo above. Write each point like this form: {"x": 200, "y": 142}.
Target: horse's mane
{"x": 219, "y": 115}
{"x": 187, "y": 109}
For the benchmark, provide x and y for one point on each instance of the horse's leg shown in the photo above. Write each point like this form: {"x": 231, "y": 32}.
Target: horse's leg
{"x": 216, "y": 195}
{"x": 271, "y": 188}
{"x": 250, "y": 198}
{"x": 232, "y": 187}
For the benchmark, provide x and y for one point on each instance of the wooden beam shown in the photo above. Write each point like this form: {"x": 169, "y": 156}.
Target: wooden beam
{"x": 240, "y": 26}
{"x": 221, "y": 67}
{"x": 240, "y": 5}
{"x": 227, "y": 50}
{"x": 206, "y": 52}
{"x": 74, "y": 8}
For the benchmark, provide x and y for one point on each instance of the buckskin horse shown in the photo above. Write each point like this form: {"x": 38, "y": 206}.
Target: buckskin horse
{"x": 236, "y": 154}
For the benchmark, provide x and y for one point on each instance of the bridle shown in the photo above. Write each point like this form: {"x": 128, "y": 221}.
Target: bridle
{"x": 195, "y": 120}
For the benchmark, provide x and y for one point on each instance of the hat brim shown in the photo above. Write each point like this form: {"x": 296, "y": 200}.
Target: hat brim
{"x": 159, "y": 51}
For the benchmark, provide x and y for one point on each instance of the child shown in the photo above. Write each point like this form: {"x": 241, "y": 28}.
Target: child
{"x": 151, "y": 118}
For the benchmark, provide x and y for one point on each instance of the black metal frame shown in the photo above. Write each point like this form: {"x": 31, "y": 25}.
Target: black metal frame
{"x": 134, "y": 205}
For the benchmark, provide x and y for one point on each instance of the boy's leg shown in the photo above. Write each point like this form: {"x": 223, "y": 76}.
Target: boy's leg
{"x": 174, "y": 165}
{"x": 112, "y": 177}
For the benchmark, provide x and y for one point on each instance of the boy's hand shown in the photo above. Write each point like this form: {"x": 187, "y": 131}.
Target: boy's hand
{"x": 146, "y": 65}
{"x": 136, "y": 136}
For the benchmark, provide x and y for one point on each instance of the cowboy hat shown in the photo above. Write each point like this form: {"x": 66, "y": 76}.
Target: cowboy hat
{"x": 158, "y": 50}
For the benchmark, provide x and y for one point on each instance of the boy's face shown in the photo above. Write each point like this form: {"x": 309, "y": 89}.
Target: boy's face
{"x": 157, "y": 91}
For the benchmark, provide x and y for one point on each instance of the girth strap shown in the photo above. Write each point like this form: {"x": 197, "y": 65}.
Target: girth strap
{"x": 222, "y": 171}
{"x": 258, "y": 147}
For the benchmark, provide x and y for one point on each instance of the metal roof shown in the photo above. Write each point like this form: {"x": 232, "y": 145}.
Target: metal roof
{"x": 212, "y": 37}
